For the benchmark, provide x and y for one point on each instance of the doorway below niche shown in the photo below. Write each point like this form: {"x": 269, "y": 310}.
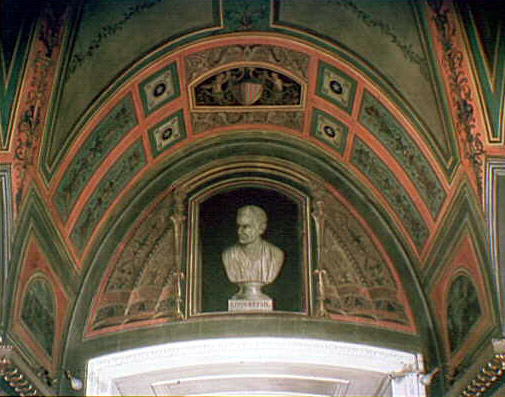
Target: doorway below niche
{"x": 255, "y": 366}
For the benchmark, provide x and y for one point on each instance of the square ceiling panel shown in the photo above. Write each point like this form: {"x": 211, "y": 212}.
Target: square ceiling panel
{"x": 160, "y": 88}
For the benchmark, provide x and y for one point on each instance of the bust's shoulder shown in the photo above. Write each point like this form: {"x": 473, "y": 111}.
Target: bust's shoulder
{"x": 274, "y": 249}
{"x": 231, "y": 250}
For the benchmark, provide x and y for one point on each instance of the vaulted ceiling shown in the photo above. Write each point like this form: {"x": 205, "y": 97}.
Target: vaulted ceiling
{"x": 379, "y": 121}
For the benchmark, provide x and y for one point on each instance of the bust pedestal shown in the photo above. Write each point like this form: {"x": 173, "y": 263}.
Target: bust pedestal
{"x": 249, "y": 298}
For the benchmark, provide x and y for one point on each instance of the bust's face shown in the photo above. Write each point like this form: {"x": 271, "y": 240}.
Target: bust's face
{"x": 249, "y": 229}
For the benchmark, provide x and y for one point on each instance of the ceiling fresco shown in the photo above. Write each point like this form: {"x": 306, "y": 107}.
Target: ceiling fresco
{"x": 367, "y": 122}
{"x": 397, "y": 53}
{"x": 90, "y": 166}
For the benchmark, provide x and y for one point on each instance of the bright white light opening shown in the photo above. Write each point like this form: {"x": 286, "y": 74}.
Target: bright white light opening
{"x": 252, "y": 366}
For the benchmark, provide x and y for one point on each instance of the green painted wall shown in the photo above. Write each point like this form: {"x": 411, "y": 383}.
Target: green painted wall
{"x": 110, "y": 36}
{"x": 386, "y": 35}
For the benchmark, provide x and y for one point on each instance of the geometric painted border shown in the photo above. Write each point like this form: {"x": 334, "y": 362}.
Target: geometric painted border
{"x": 111, "y": 185}
{"x": 463, "y": 226}
{"x": 105, "y": 136}
{"x": 375, "y": 117}
{"x": 160, "y": 88}
{"x": 35, "y": 223}
{"x": 336, "y": 87}
{"x": 167, "y": 133}
{"x": 371, "y": 165}
{"x": 329, "y": 130}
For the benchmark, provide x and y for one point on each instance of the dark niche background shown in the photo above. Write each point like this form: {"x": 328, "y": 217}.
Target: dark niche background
{"x": 218, "y": 231}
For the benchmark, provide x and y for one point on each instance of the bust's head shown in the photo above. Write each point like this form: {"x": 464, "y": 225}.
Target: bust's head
{"x": 251, "y": 224}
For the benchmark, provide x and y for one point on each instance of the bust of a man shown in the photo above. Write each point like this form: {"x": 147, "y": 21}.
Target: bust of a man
{"x": 253, "y": 261}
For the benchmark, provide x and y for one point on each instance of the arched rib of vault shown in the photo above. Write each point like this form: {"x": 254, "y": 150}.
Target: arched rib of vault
{"x": 377, "y": 126}
{"x": 251, "y": 143}
{"x": 135, "y": 75}
{"x": 289, "y": 38}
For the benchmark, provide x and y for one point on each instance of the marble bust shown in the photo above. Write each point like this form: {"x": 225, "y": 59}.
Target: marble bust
{"x": 253, "y": 261}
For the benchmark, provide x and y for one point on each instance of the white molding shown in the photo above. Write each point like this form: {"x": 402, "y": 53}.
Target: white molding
{"x": 6, "y": 225}
{"x": 104, "y": 371}
{"x": 495, "y": 168}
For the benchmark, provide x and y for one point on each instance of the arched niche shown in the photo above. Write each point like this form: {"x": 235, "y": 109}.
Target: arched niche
{"x": 213, "y": 201}
{"x": 170, "y": 267}
{"x": 186, "y": 175}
